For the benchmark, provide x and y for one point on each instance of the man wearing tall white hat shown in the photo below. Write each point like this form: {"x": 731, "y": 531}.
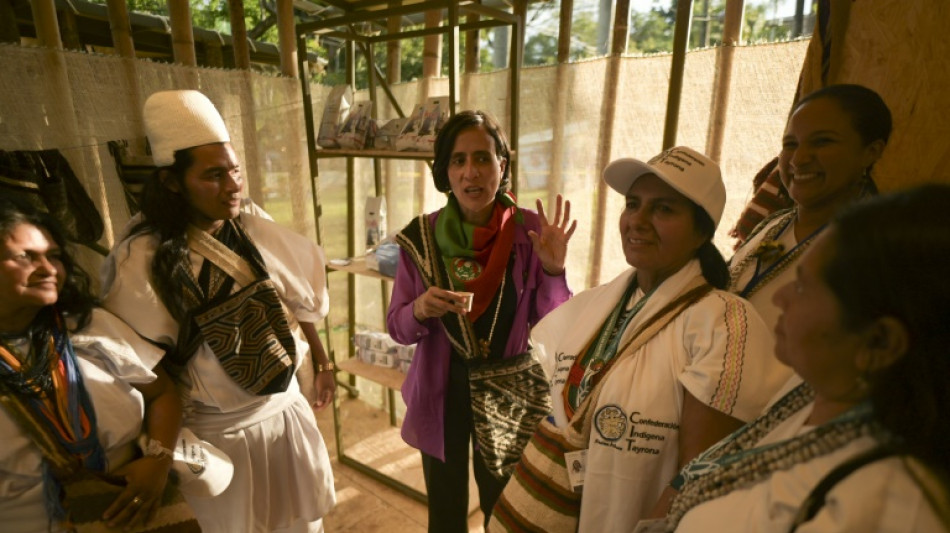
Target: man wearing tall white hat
{"x": 233, "y": 299}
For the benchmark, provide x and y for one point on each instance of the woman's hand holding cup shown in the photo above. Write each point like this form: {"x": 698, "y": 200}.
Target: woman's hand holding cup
{"x": 436, "y": 302}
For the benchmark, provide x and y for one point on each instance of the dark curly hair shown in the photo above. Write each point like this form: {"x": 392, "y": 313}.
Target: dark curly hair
{"x": 445, "y": 143}
{"x": 75, "y": 299}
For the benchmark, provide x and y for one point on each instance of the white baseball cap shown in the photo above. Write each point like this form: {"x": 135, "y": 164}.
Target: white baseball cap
{"x": 203, "y": 470}
{"x": 175, "y": 120}
{"x": 694, "y": 175}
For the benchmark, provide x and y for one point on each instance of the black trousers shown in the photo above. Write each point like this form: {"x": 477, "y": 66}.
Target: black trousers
{"x": 447, "y": 483}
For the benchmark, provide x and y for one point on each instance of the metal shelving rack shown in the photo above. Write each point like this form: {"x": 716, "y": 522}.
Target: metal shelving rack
{"x": 346, "y": 27}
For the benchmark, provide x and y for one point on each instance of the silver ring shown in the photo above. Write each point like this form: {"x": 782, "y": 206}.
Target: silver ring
{"x": 136, "y": 501}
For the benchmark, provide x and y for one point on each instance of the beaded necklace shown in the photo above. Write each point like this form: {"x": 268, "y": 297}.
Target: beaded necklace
{"x": 736, "y": 461}
{"x": 604, "y": 347}
{"x": 767, "y": 250}
{"x": 485, "y": 344}
{"x": 29, "y": 373}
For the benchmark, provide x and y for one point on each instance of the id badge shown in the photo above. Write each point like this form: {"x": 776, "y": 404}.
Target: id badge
{"x": 576, "y": 463}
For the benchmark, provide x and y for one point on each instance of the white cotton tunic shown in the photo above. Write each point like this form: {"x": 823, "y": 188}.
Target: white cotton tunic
{"x": 282, "y": 478}
{"x": 762, "y": 297}
{"x": 107, "y": 352}
{"x": 718, "y": 349}
{"x": 879, "y": 497}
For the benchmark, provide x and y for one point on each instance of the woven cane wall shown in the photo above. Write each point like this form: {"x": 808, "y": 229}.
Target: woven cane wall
{"x": 77, "y": 102}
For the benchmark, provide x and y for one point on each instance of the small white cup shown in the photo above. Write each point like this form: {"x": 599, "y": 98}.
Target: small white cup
{"x": 469, "y": 297}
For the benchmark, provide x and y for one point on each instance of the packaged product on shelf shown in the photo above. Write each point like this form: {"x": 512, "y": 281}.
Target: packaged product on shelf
{"x": 406, "y": 141}
{"x": 335, "y": 111}
{"x": 354, "y": 131}
{"x": 375, "y": 219}
{"x": 384, "y": 258}
{"x": 376, "y": 348}
{"x": 387, "y": 133}
{"x": 434, "y": 116}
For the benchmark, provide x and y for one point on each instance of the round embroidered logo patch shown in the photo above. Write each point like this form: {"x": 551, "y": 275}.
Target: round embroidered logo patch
{"x": 611, "y": 422}
{"x": 465, "y": 269}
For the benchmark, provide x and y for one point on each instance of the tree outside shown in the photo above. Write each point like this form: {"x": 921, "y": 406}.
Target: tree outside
{"x": 651, "y": 31}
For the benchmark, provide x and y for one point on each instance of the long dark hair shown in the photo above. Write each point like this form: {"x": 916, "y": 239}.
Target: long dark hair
{"x": 445, "y": 142}
{"x": 165, "y": 213}
{"x": 890, "y": 260}
{"x": 713, "y": 264}
{"x": 75, "y": 299}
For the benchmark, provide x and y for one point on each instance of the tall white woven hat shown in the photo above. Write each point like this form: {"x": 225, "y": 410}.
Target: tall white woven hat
{"x": 175, "y": 120}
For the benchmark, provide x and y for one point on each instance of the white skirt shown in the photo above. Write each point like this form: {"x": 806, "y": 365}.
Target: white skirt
{"x": 282, "y": 477}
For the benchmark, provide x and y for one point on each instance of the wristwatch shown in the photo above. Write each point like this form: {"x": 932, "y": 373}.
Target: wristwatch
{"x": 154, "y": 448}
{"x": 328, "y": 367}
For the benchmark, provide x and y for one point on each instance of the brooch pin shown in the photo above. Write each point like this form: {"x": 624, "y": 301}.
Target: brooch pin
{"x": 769, "y": 250}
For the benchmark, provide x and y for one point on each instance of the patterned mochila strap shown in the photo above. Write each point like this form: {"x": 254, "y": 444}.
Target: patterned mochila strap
{"x": 418, "y": 241}
{"x": 577, "y": 431}
{"x": 222, "y": 256}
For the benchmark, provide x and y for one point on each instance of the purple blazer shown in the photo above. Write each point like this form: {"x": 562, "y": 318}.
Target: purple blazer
{"x": 425, "y": 385}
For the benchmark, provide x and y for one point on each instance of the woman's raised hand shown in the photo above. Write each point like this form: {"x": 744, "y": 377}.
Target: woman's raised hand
{"x": 551, "y": 245}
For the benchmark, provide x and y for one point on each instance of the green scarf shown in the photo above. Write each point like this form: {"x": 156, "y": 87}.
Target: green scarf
{"x": 476, "y": 257}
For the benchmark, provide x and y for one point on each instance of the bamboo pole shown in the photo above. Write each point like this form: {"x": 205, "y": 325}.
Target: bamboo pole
{"x": 121, "y": 28}
{"x": 9, "y": 31}
{"x": 47, "y": 25}
{"x": 69, "y": 29}
{"x": 555, "y": 179}
{"x": 566, "y": 22}
{"x": 684, "y": 15}
{"x": 183, "y": 38}
{"x": 471, "y": 44}
{"x": 731, "y": 38}
{"x": 432, "y": 47}
{"x": 393, "y": 76}
{"x": 605, "y": 146}
{"x": 63, "y": 111}
{"x": 431, "y": 63}
{"x": 240, "y": 48}
{"x": 288, "y": 62}
{"x": 393, "y": 48}
{"x": 285, "y": 34}
{"x": 520, "y": 9}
